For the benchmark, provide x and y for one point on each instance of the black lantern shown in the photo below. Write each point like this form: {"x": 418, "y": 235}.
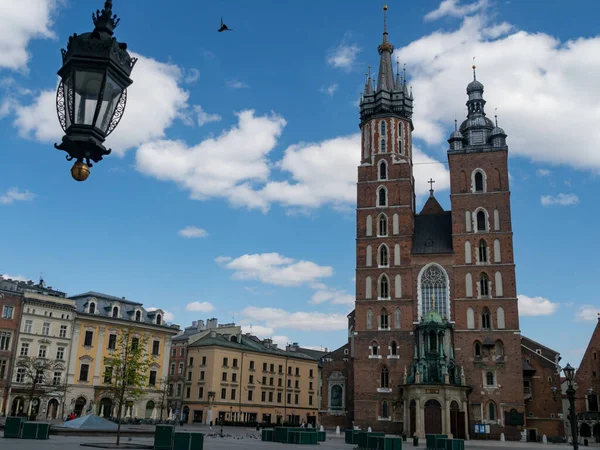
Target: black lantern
{"x": 569, "y": 373}
{"x": 91, "y": 97}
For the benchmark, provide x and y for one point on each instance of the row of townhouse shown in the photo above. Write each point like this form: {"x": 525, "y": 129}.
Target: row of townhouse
{"x": 52, "y": 350}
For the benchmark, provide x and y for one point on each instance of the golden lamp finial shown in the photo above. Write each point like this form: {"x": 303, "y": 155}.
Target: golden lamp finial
{"x": 385, "y": 7}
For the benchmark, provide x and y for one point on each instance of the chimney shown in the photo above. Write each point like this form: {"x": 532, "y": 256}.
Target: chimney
{"x": 211, "y": 324}
{"x": 267, "y": 343}
{"x": 194, "y": 324}
{"x": 200, "y": 325}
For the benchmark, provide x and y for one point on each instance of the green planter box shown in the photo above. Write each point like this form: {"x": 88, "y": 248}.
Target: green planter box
{"x": 455, "y": 444}
{"x": 12, "y": 428}
{"x": 442, "y": 443}
{"x": 321, "y": 436}
{"x": 188, "y": 441}
{"x": 305, "y": 438}
{"x": 280, "y": 434}
{"x": 267, "y": 435}
{"x": 392, "y": 443}
{"x": 349, "y": 436}
{"x": 430, "y": 440}
{"x": 362, "y": 438}
{"x": 35, "y": 430}
{"x": 163, "y": 437}
{"x": 374, "y": 442}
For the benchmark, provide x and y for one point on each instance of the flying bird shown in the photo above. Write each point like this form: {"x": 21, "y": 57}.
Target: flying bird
{"x": 224, "y": 27}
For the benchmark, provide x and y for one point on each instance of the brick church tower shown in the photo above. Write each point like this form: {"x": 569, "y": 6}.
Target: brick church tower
{"x": 434, "y": 341}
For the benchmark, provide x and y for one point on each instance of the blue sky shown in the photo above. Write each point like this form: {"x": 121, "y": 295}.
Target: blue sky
{"x": 230, "y": 190}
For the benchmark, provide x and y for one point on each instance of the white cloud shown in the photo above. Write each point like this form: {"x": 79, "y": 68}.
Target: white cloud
{"x": 199, "y": 307}
{"x": 192, "y": 232}
{"x": 191, "y": 76}
{"x": 536, "y": 306}
{"x": 305, "y": 321}
{"x": 169, "y": 317}
{"x": 204, "y": 117}
{"x": 334, "y": 296}
{"x": 273, "y": 268}
{"x": 543, "y": 172}
{"x": 223, "y": 259}
{"x": 453, "y": 8}
{"x": 560, "y": 200}
{"x": 587, "y": 312}
{"x": 344, "y": 55}
{"x": 330, "y": 90}
{"x": 528, "y": 92}
{"x": 15, "y": 195}
{"x": 154, "y": 101}
{"x": 218, "y": 167}
{"x": 20, "y": 22}
{"x": 14, "y": 277}
{"x": 258, "y": 330}
{"x": 236, "y": 84}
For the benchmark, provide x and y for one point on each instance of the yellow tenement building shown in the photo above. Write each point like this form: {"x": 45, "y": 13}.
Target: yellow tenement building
{"x": 239, "y": 378}
{"x": 98, "y": 322}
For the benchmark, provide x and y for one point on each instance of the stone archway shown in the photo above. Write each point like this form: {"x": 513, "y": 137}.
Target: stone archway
{"x": 17, "y": 406}
{"x": 433, "y": 417}
{"x": 149, "y": 409}
{"x": 106, "y": 408}
{"x": 79, "y": 405}
{"x": 52, "y": 409}
{"x": 457, "y": 421}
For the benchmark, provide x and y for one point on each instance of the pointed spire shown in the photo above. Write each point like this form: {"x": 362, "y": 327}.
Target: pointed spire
{"x": 496, "y": 116}
{"x": 474, "y": 67}
{"x": 398, "y": 84}
{"x": 385, "y": 80}
{"x": 368, "y": 83}
{"x": 455, "y": 125}
{"x": 105, "y": 21}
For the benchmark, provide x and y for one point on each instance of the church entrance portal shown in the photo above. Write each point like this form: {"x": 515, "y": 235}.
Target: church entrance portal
{"x": 457, "y": 421}
{"x": 433, "y": 417}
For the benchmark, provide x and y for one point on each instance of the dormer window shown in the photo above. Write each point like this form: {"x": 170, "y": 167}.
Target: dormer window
{"x": 92, "y": 308}
{"x": 158, "y": 319}
{"x": 138, "y": 316}
{"x": 115, "y": 311}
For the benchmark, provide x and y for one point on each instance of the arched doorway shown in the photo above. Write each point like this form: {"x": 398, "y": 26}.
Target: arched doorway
{"x": 457, "y": 421}
{"x": 585, "y": 430}
{"x": 186, "y": 414}
{"x": 106, "y": 407}
{"x": 149, "y": 409}
{"x": 433, "y": 417}
{"x": 52, "y": 409}
{"x": 79, "y": 405}
{"x": 17, "y": 406}
{"x": 413, "y": 417}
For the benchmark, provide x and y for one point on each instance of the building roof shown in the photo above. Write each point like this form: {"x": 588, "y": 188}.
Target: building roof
{"x": 525, "y": 340}
{"x": 104, "y": 296}
{"x": 432, "y": 206}
{"x": 248, "y": 343}
{"x": 433, "y": 233}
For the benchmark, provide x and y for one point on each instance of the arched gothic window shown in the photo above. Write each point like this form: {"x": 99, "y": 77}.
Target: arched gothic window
{"x": 384, "y": 319}
{"x": 400, "y": 142}
{"x": 384, "y": 287}
{"x": 385, "y": 378}
{"x": 481, "y": 221}
{"x": 434, "y": 291}
{"x": 479, "y": 185}
{"x": 115, "y": 311}
{"x": 492, "y": 411}
{"x": 394, "y": 348}
{"x": 382, "y": 128}
{"x": 499, "y": 347}
{"x": 477, "y": 350}
{"x": 382, "y": 197}
{"x": 484, "y": 286}
{"x": 385, "y": 410}
{"x": 383, "y": 170}
{"x": 369, "y": 319}
{"x": 382, "y": 146}
{"x": 374, "y": 348}
{"x": 486, "y": 322}
{"x": 383, "y": 225}
{"x": 92, "y": 308}
{"x": 138, "y": 316}
{"x": 483, "y": 252}
{"x": 383, "y": 256}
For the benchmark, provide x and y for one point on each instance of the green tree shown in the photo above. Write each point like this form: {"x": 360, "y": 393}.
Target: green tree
{"x": 126, "y": 371}
{"x": 41, "y": 378}
{"x": 163, "y": 393}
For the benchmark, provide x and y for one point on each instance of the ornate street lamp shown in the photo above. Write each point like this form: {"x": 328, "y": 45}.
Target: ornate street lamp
{"x": 569, "y": 375}
{"x": 91, "y": 97}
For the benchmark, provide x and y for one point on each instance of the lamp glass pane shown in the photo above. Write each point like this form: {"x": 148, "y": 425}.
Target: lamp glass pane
{"x": 110, "y": 100}
{"x": 87, "y": 90}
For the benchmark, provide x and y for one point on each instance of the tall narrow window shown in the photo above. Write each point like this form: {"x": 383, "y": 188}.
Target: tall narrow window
{"x": 158, "y": 319}
{"x": 500, "y": 318}
{"x": 481, "y": 221}
{"x": 492, "y": 411}
{"x": 382, "y": 170}
{"x": 138, "y": 316}
{"x": 468, "y": 285}
{"x": 368, "y": 287}
{"x": 383, "y": 225}
{"x": 374, "y": 348}
{"x": 499, "y": 287}
{"x": 92, "y": 308}
{"x": 397, "y": 319}
{"x": 384, "y": 287}
{"x": 483, "y": 252}
{"x": 394, "y": 349}
{"x": 385, "y": 413}
{"x": 369, "y": 256}
{"x": 115, "y": 312}
{"x": 470, "y": 318}
{"x": 400, "y": 142}
{"x": 398, "y": 286}
{"x": 382, "y": 146}
{"x": 467, "y": 252}
{"x": 468, "y": 220}
{"x": 397, "y": 254}
{"x": 396, "y": 224}
{"x": 383, "y": 256}
{"x": 385, "y": 378}
{"x": 382, "y": 197}
{"x": 477, "y": 350}
{"x": 489, "y": 380}
{"x": 497, "y": 254}
{"x": 484, "y": 286}
{"x": 384, "y": 320}
{"x": 369, "y": 319}
{"x": 486, "y": 322}
{"x": 479, "y": 182}
{"x": 369, "y": 226}
{"x": 382, "y": 128}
